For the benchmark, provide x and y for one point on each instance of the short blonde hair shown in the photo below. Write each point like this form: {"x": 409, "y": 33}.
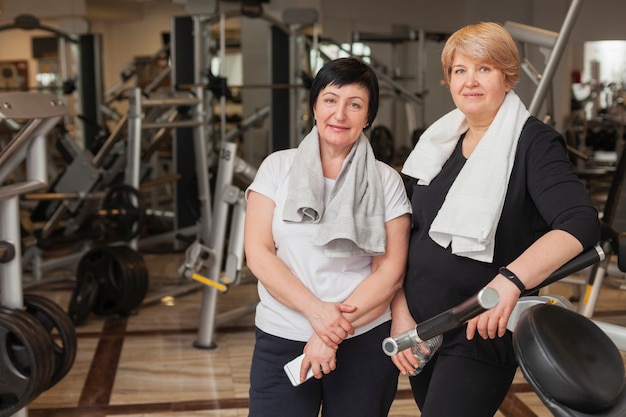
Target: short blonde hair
{"x": 484, "y": 41}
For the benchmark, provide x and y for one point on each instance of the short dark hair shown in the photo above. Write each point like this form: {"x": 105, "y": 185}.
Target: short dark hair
{"x": 343, "y": 71}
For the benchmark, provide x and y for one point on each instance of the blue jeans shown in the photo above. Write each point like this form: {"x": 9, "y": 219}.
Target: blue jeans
{"x": 364, "y": 383}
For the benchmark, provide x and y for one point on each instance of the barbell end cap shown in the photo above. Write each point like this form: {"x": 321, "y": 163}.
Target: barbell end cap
{"x": 390, "y": 347}
{"x": 488, "y": 298}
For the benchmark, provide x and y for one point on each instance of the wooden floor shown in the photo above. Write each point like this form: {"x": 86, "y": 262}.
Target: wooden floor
{"x": 147, "y": 364}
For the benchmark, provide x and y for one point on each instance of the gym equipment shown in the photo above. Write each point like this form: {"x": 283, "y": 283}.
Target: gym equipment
{"x": 228, "y": 203}
{"x": 573, "y": 363}
{"x": 80, "y": 63}
{"x": 122, "y": 213}
{"x": 40, "y": 112}
{"x": 613, "y": 227}
{"x": 110, "y": 280}
{"x": 199, "y": 258}
{"x": 60, "y": 329}
{"x": 37, "y": 349}
{"x": 484, "y": 300}
{"x": 30, "y": 360}
{"x": 556, "y": 41}
{"x": 27, "y": 360}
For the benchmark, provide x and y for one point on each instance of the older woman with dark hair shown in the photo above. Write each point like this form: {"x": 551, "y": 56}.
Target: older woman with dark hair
{"x": 326, "y": 234}
{"x": 496, "y": 203}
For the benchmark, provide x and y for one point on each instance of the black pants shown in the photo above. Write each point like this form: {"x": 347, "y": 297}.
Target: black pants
{"x": 453, "y": 386}
{"x": 364, "y": 383}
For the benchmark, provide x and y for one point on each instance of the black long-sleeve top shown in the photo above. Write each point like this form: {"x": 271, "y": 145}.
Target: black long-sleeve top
{"x": 544, "y": 193}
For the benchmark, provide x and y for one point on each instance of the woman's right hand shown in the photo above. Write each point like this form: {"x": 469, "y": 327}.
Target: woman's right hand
{"x": 329, "y": 323}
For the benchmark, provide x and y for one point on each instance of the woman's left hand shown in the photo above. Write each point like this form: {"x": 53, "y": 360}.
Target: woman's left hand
{"x": 492, "y": 323}
{"x": 405, "y": 361}
{"x": 319, "y": 357}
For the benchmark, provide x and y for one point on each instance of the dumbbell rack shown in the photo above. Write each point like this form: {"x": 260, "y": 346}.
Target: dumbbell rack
{"x": 41, "y": 112}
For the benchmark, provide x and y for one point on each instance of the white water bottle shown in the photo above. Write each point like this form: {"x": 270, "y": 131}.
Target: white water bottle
{"x": 424, "y": 351}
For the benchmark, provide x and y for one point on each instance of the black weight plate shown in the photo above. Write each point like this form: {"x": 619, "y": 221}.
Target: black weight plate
{"x": 25, "y": 360}
{"x": 61, "y": 331}
{"x": 123, "y": 213}
{"x": 138, "y": 289}
{"x": 45, "y": 343}
{"x": 83, "y": 298}
{"x": 43, "y": 347}
{"x": 114, "y": 296}
{"x": 101, "y": 263}
{"x": 127, "y": 273}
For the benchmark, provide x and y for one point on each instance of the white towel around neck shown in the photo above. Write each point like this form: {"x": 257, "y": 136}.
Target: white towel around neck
{"x": 353, "y": 223}
{"x": 469, "y": 215}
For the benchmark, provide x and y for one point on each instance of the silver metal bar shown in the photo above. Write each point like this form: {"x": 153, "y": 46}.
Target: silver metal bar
{"x": 202, "y": 166}
{"x": 176, "y": 123}
{"x": 158, "y": 79}
{"x": 555, "y": 56}
{"x": 245, "y": 169}
{"x": 409, "y": 36}
{"x": 12, "y": 190}
{"x": 14, "y": 153}
{"x": 215, "y": 241}
{"x": 133, "y": 145}
{"x": 11, "y": 272}
{"x": 122, "y": 123}
{"x": 531, "y": 34}
{"x": 235, "y": 256}
{"x": 169, "y": 101}
{"x": 247, "y": 123}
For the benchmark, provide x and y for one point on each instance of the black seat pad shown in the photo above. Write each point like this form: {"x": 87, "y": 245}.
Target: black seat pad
{"x": 569, "y": 361}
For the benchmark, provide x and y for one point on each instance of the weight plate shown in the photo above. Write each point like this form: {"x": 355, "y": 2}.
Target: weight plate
{"x": 122, "y": 213}
{"x": 83, "y": 298}
{"x": 99, "y": 264}
{"x": 61, "y": 331}
{"x": 25, "y": 360}
{"x": 125, "y": 283}
{"x": 138, "y": 288}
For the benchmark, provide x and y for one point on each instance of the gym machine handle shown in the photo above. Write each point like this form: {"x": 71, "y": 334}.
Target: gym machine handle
{"x": 485, "y": 299}
{"x": 576, "y": 264}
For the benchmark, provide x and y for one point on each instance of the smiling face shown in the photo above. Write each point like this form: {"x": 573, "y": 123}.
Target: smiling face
{"x": 477, "y": 88}
{"x": 341, "y": 114}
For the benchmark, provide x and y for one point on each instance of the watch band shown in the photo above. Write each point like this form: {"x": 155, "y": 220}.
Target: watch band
{"x": 513, "y": 278}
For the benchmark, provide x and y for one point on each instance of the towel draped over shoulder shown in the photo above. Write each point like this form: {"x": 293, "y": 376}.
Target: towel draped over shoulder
{"x": 352, "y": 223}
{"x": 470, "y": 213}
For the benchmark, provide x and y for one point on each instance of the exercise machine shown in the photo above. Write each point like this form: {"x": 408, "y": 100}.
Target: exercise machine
{"x": 572, "y": 362}
{"x": 31, "y": 358}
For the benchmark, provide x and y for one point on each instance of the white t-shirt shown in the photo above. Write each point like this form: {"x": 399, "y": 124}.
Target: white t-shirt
{"x": 330, "y": 279}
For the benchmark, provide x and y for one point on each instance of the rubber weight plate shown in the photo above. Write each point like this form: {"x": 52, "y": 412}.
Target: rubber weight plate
{"x": 61, "y": 330}
{"x": 83, "y": 298}
{"x": 102, "y": 265}
{"x": 122, "y": 213}
{"x": 25, "y": 360}
{"x": 138, "y": 289}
